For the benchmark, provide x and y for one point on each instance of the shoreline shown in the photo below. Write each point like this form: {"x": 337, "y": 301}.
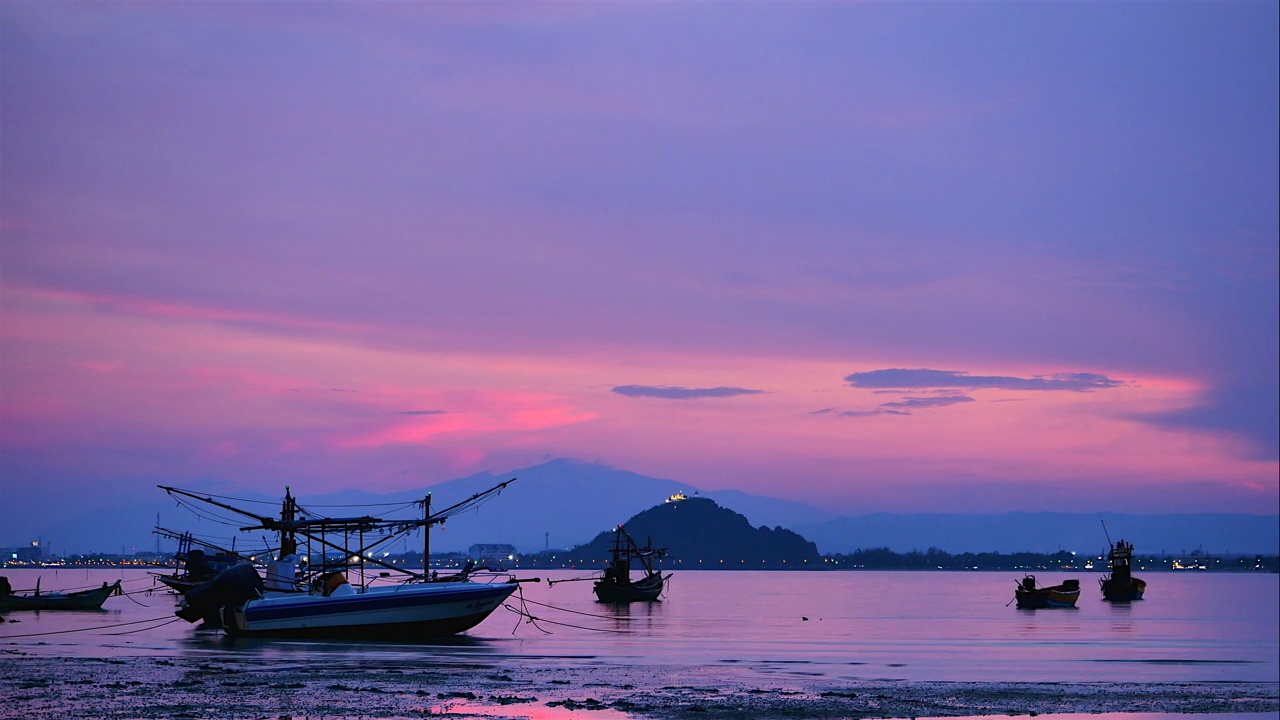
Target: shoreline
{"x": 146, "y": 688}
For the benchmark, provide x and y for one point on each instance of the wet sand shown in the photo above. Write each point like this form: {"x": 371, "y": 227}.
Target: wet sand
{"x": 37, "y": 688}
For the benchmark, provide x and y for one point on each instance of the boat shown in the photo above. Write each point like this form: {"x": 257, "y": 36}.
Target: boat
{"x": 79, "y": 600}
{"x": 339, "y": 597}
{"x": 1030, "y": 595}
{"x": 616, "y": 585}
{"x": 196, "y": 566}
{"x": 1120, "y": 585}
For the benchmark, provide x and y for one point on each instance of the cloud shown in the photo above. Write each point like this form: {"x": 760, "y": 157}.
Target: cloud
{"x": 902, "y": 379}
{"x": 899, "y": 407}
{"x": 419, "y": 412}
{"x": 939, "y": 387}
{"x": 1245, "y": 411}
{"x": 918, "y": 402}
{"x": 870, "y": 413}
{"x": 679, "y": 393}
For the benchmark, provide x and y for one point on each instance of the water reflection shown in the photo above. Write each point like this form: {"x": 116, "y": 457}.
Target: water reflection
{"x": 1121, "y": 616}
{"x": 443, "y": 651}
{"x": 633, "y": 617}
{"x": 765, "y": 620}
{"x": 531, "y": 711}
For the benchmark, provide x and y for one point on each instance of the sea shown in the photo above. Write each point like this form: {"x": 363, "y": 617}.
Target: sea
{"x": 1194, "y": 627}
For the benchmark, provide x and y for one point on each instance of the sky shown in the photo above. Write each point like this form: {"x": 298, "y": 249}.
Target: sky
{"x": 901, "y": 257}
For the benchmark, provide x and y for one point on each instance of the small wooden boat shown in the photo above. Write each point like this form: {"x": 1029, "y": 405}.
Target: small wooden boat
{"x": 1121, "y": 585}
{"x": 81, "y": 600}
{"x": 616, "y": 585}
{"x": 1029, "y": 595}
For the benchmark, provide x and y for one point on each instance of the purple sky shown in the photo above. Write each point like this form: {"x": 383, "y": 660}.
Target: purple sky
{"x": 873, "y": 256}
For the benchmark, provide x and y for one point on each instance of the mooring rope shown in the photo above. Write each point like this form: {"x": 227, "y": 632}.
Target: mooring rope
{"x": 170, "y": 621}
{"x": 523, "y": 612}
{"x": 87, "y": 629}
{"x": 532, "y": 619}
{"x": 144, "y": 591}
{"x": 578, "y": 612}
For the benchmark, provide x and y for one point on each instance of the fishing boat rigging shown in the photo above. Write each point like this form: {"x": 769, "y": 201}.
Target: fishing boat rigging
{"x": 198, "y": 560}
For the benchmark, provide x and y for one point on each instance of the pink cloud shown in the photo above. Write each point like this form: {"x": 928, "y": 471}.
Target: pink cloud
{"x": 493, "y": 414}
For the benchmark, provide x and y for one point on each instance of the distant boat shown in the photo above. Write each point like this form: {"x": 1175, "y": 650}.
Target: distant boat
{"x": 81, "y": 600}
{"x": 616, "y": 585}
{"x": 1029, "y": 595}
{"x": 1121, "y": 585}
{"x": 294, "y": 600}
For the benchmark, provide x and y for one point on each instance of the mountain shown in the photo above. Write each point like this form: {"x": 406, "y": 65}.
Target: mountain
{"x": 563, "y": 503}
{"x": 1219, "y": 534}
{"x": 698, "y": 533}
{"x": 558, "y": 504}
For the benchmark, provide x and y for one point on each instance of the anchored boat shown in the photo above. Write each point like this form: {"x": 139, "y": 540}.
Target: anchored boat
{"x": 616, "y": 585}
{"x": 1030, "y": 595}
{"x": 1121, "y": 585}
{"x": 81, "y": 600}
{"x": 299, "y": 599}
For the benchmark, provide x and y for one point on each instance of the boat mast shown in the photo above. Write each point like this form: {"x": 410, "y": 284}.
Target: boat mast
{"x": 288, "y": 512}
{"x": 426, "y": 537}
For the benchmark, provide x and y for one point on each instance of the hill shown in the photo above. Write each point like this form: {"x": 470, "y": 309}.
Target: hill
{"x": 698, "y": 533}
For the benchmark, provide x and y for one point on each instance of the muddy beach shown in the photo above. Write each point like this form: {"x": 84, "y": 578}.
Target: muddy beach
{"x": 40, "y": 688}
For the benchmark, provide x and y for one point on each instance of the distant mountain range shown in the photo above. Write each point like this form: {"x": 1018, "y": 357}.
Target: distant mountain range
{"x": 564, "y": 503}
{"x": 1045, "y": 532}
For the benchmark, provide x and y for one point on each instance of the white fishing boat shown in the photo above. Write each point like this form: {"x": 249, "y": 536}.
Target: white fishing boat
{"x": 295, "y": 599}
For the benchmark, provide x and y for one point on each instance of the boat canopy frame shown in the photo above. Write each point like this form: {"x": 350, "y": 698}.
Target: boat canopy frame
{"x": 293, "y": 524}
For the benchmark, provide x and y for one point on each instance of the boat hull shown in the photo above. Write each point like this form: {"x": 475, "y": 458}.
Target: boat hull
{"x": 1047, "y": 599}
{"x": 647, "y": 589}
{"x": 1120, "y": 591}
{"x": 84, "y": 600}
{"x": 405, "y": 612}
{"x": 1031, "y": 596}
{"x": 178, "y": 584}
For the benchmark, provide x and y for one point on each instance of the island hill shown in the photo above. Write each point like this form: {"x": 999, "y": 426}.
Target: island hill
{"x": 699, "y": 534}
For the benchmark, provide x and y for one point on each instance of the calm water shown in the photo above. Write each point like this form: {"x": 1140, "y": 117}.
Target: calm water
{"x": 861, "y": 625}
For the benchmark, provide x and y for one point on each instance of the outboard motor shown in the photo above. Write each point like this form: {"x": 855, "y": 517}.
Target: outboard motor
{"x": 232, "y": 586}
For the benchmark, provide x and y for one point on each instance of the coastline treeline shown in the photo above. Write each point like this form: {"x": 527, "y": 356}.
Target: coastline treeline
{"x": 863, "y": 559}
{"x": 935, "y": 559}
